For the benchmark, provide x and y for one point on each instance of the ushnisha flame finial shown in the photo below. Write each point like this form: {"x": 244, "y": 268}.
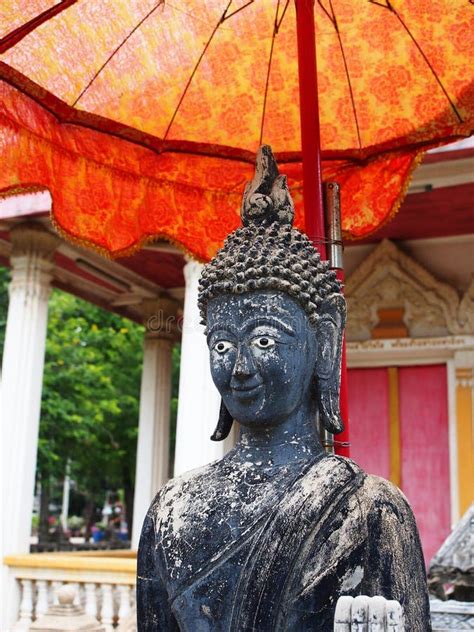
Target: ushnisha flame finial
{"x": 267, "y": 197}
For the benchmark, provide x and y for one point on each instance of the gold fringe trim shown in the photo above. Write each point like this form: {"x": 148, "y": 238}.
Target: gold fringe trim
{"x": 20, "y": 189}
{"x": 87, "y": 244}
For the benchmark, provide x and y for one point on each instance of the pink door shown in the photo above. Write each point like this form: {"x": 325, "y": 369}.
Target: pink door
{"x": 422, "y": 462}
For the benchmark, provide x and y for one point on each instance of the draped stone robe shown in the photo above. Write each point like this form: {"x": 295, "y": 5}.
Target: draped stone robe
{"x": 236, "y": 546}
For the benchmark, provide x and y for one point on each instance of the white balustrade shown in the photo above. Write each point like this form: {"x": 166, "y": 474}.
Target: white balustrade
{"x": 104, "y": 585}
{"x": 77, "y": 594}
{"x": 26, "y": 605}
{"x": 41, "y": 597}
{"x": 124, "y": 602}
{"x": 107, "y": 611}
{"x": 91, "y": 599}
{"x": 55, "y": 586}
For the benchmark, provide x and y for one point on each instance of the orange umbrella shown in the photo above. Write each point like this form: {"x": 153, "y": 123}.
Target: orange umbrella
{"x": 195, "y": 87}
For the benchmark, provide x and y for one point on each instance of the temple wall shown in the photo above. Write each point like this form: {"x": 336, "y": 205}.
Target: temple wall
{"x": 410, "y": 352}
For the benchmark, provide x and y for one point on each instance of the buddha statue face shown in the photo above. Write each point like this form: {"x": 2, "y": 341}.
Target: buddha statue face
{"x": 265, "y": 355}
{"x": 274, "y": 314}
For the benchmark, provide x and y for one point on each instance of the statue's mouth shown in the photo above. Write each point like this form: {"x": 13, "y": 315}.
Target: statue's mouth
{"x": 247, "y": 392}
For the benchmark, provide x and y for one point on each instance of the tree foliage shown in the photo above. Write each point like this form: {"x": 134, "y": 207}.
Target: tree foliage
{"x": 89, "y": 410}
{"x": 4, "y": 280}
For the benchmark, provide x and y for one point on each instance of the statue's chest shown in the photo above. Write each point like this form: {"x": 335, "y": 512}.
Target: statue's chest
{"x": 200, "y": 523}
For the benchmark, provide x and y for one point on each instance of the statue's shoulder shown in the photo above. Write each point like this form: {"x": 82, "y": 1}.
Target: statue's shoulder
{"x": 379, "y": 499}
{"x": 393, "y": 554}
{"x": 180, "y": 489}
{"x": 385, "y": 503}
{"x": 380, "y": 490}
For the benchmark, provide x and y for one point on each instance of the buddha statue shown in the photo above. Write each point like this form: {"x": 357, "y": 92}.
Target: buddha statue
{"x": 269, "y": 537}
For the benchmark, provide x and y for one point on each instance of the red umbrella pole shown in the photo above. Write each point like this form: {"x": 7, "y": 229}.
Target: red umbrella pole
{"x": 310, "y": 136}
{"x": 311, "y": 156}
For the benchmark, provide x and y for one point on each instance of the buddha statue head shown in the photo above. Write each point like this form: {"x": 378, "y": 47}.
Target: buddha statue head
{"x": 274, "y": 314}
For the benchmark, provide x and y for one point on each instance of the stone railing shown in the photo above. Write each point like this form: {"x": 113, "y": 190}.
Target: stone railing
{"x": 452, "y": 616}
{"x": 104, "y": 582}
{"x": 104, "y": 585}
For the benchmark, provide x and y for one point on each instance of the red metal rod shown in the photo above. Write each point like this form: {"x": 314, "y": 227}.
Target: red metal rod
{"x": 342, "y": 446}
{"x": 311, "y": 156}
{"x": 309, "y": 118}
{"x": 344, "y": 436}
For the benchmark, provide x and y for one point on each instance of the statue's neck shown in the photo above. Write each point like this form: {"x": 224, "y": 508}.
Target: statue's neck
{"x": 296, "y": 439}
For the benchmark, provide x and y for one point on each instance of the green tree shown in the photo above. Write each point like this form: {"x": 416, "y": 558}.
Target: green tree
{"x": 90, "y": 399}
{"x": 176, "y": 361}
{"x": 4, "y": 280}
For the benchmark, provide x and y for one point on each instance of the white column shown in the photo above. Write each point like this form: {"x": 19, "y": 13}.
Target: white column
{"x": 152, "y": 469}
{"x": 20, "y": 397}
{"x": 199, "y": 401}
{"x": 66, "y": 494}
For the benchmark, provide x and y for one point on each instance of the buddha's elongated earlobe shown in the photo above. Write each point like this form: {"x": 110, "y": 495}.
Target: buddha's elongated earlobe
{"x": 224, "y": 424}
{"x": 330, "y": 330}
{"x": 329, "y": 411}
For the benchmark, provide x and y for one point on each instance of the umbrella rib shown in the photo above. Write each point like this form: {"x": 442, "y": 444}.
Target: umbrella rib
{"x": 14, "y": 37}
{"x": 278, "y": 22}
{"x": 438, "y": 80}
{"x": 276, "y": 26}
{"x": 227, "y": 16}
{"x": 389, "y": 6}
{"x": 222, "y": 19}
{"x": 116, "y": 50}
{"x": 346, "y": 69}
{"x": 331, "y": 17}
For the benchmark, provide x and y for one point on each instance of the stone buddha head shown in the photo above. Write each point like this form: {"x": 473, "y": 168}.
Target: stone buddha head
{"x": 274, "y": 314}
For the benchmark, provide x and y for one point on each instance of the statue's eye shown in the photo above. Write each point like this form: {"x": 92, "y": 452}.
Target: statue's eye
{"x": 222, "y": 346}
{"x": 263, "y": 342}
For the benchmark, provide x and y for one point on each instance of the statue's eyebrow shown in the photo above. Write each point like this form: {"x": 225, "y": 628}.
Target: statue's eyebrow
{"x": 269, "y": 320}
{"x": 220, "y": 327}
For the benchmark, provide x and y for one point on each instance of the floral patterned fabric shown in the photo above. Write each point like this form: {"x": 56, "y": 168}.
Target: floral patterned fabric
{"x": 114, "y": 113}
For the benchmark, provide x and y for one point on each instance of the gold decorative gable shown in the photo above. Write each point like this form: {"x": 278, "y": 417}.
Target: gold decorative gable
{"x": 390, "y": 282}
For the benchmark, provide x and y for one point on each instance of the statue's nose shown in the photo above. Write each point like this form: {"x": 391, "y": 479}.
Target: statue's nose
{"x": 244, "y": 364}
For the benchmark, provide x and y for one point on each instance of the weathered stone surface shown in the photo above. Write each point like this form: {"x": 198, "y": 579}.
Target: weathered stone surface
{"x": 235, "y": 546}
{"x": 269, "y": 537}
{"x": 373, "y": 614}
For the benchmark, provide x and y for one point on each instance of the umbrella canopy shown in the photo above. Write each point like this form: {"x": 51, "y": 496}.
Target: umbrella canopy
{"x": 143, "y": 117}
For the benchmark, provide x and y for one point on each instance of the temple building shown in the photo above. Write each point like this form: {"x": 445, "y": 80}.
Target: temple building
{"x": 410, "y": 359}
